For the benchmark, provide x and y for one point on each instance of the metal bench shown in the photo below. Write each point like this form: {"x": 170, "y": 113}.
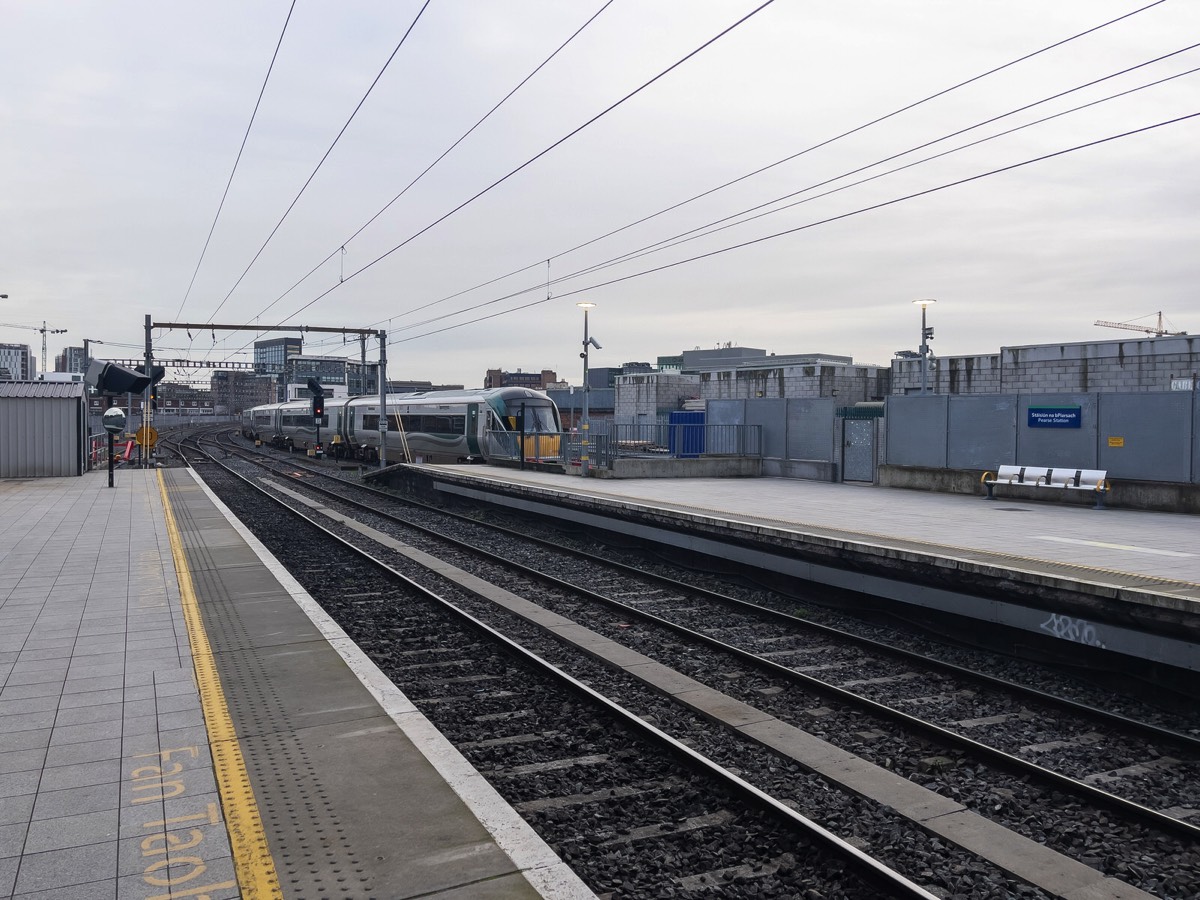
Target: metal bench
{"x": 1095, "y": 480}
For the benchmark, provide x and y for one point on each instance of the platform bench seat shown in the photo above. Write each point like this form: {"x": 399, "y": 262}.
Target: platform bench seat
{"x": 1064, "y": 478}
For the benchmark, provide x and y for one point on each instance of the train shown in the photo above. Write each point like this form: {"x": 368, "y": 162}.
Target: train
{"x": 425, "y": 426}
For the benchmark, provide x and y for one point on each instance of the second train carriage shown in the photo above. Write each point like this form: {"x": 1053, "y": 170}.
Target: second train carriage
{"x": 431, "y": 426}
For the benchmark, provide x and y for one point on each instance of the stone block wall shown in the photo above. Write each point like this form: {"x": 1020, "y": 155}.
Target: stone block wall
{"x": 652, "y": 397}
{"x": 848, "y": 384}
{"x": 1149, "y": 364}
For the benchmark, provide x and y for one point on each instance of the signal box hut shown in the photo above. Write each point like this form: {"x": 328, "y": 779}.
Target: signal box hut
{"x": 43, "y": 429}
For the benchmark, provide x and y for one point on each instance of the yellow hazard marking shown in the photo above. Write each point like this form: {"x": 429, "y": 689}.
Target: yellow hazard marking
{"x": 248, "y": 839}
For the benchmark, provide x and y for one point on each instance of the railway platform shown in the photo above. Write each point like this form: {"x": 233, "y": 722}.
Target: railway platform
{"x": 1124, "y": 582}
{"x": 179, "y": 719}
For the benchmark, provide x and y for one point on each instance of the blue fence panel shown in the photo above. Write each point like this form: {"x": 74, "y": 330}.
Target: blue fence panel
{"x": 686, "y": 434}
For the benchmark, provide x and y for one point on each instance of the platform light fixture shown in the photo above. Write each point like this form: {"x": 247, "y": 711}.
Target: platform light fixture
{"x": 926, "y": 337}
{"x": 585, "y": 427}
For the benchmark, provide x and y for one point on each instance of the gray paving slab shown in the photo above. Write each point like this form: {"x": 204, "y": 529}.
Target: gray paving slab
{"x": 87, "y": 752}
{"x": 12, "y": 839}
{"x": 56, "y": 870}
{"x": 91, "y": 628}
{"x": 90, "y": 798}
{"x": 8, "y": 875}
{"x": 92, "y": 890}
{"x": 22, "y": 760}
{"x": 15, "y": 810}
{"x": 24, "y": 740}
{"x": 72, "y": 831}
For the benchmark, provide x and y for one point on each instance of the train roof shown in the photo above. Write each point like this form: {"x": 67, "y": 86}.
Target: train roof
{"x": 431, "y": 397}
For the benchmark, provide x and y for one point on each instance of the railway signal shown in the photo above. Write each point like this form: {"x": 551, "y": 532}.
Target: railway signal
{"x": 318, "y": 411}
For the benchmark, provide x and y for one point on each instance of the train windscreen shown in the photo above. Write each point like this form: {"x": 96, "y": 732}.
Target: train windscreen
{"x": 538, "y": 418}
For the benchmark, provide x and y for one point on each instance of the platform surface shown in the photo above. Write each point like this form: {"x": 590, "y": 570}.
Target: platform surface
{"x": 1154, "y": 545}
{"x": 114, "y": 768}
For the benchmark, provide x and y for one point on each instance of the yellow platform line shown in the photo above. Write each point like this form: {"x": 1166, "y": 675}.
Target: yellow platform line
{"x": 252, "y": 859}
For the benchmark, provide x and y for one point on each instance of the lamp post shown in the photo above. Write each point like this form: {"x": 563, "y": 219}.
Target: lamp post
{"x": 87, "y": 361}
{"x": 588, "y": 341}
{"x": 926, "y": 337}
{"x": 87, "y": 351}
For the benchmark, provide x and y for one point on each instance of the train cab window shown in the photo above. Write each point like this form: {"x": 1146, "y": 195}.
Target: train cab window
{"x": 537, "y": 418}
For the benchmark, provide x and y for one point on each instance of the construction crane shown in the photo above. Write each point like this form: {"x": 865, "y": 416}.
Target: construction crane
{"x": 44, "y": 330}
{"x": 1158, "y": 331}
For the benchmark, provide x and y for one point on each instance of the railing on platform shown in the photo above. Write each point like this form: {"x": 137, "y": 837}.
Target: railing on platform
{"x": 686, "y": 440}
{"x": 534, "y": 447}
{"x": 659, "y": 441}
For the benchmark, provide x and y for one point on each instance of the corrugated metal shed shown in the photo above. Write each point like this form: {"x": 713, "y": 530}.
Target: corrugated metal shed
{"x": 43, "y": 429}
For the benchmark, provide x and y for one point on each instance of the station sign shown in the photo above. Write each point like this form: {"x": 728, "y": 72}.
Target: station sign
{"x": 1054, "y": 417}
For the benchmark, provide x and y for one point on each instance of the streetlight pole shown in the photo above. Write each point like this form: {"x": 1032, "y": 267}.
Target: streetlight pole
{"x": 588, "y": 341}
{"x": 87, "y": 351}
{"x": 926, "y": 337}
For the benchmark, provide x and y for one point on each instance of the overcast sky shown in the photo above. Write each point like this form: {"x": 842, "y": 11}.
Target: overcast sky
{"x": 120, "y": 123}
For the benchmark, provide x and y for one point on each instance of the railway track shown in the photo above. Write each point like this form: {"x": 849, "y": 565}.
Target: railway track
{"x": 659, "y": 819}
{"x": 735, "y": 658}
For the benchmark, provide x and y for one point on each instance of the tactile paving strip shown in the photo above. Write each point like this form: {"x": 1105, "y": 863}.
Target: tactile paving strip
{"x": 312, "y": 850}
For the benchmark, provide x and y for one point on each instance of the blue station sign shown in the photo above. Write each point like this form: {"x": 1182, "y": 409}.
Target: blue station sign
{"x": 1054, "y": 417}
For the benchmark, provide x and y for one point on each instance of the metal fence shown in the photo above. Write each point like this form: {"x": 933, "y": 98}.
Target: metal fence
{"x": 1150, "y": 435}
{"x": 685, "y": 440}
{"x": 645, "y": 441}
{"x": 537, "y": 446}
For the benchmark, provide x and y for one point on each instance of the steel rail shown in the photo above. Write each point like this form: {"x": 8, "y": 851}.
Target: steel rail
{"x": 1123, "y": 723}
{"x": 867, "y": 866}
{"x": 1047, "y": 777}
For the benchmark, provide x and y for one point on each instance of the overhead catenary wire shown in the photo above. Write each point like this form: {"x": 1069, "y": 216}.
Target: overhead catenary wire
{"x": 320, "y": 163}
{"x": 724, "y": 223}
{"x": 237, "y": 159}
{"x": 744, "y": 216}
{"x": 907, "y": 107}
{"x": 1058, "y": 43}
{"x": 825, "y": 221}
{"x": 342, "y": 247}
{"x": 562, "y": 140}
{"x": 821, "y": 144}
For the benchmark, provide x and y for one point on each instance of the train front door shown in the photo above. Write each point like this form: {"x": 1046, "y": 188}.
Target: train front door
{"x": 473, "y": 425}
